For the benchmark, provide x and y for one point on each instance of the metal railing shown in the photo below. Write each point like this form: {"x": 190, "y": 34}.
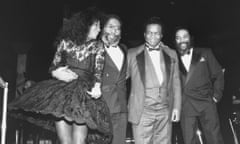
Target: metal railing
{"x": 4, "y": 85}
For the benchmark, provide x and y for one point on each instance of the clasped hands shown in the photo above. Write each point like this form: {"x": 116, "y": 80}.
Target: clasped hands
{"x": 67, "y": 75}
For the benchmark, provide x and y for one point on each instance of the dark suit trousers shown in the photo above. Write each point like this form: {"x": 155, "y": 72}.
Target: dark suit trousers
{"x": 119, "y": 121}
{"x": 209, "y": 121}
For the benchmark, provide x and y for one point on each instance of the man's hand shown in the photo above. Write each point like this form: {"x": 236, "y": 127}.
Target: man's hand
{"x": 95, "y": 91}
{"x": 214, "y": 99}
{"x": 175, "y": 115}
{"x": 64, "y": 74}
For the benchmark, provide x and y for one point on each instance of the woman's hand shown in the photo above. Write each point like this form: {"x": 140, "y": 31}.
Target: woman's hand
{"x": 95, "y": 91}
{"x": 64, "y": 74}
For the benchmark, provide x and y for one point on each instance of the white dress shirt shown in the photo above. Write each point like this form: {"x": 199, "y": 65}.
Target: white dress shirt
{"x": 186, "y": 59}
{"x": 116, "y": 55}
{"x": 155, "y": 57}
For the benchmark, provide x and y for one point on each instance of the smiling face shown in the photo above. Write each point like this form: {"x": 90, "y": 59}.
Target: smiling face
{"x": 153, "y": 34}
{"x": 94, "y": 30}
{"x": 183, "y": 40}
{"x": 112, "y": 31}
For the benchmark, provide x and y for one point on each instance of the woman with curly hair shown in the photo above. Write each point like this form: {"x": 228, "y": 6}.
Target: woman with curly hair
{"x": 73, "y": 105}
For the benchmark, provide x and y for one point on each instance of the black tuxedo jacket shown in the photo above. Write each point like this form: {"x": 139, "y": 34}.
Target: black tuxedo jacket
{"x": 114, "y": 84}
{"x": 204, "y": 81}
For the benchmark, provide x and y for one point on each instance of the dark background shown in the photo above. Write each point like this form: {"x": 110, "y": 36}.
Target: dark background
{"x": 30, "y": 26}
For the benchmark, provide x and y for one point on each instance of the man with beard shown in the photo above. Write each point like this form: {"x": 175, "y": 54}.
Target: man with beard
{"x": 155, "y": 97}
{"x": 202, "y": 86}
{"x": 114, "y": 77}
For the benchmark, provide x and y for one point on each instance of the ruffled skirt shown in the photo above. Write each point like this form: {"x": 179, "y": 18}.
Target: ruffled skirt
{"x": 52, "y": 100}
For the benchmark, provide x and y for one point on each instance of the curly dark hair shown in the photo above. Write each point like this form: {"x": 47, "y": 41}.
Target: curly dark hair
{"x": 77, "y": 27}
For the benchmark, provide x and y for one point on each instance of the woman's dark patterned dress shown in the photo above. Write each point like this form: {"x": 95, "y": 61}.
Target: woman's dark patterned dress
{"x": 53, "y": 99}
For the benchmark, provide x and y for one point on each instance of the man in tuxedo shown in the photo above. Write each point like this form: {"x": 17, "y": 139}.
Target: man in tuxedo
{"x": 155, "y": 95}
{"x": 202, "y": 87}
{"x": 114, "y": 77}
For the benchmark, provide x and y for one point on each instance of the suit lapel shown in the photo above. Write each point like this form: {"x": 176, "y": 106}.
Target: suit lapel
{"x": 181, "y": 66}
{"x": 195, "y": 59}
{"x": 124, "y": 59}
{"x": 110, "y": 61}
{"x": 167, "y": 61}
{"x": 182, "y": 69}
{"x": 141, "y": 65}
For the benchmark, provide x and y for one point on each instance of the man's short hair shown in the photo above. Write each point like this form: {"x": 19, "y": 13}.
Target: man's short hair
{"x": 108, "y": 17}
{"x": 177, "y": 28}
{"x": 153, "y": 20}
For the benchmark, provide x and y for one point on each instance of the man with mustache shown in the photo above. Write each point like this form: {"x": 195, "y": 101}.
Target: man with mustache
{"x": 114, "y": 77}
{"x": 202, "y": 87}
{"x": 155, "y": 97}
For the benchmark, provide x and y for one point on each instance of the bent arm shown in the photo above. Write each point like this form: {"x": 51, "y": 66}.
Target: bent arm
{"x": 58, "y": 68}
{"x": 216, "y": 76}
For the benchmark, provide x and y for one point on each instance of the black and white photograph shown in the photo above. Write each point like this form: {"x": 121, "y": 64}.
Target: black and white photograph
{"x": 120, "y": 72}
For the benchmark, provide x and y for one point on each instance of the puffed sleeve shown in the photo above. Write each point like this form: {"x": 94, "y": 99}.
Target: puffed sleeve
{"x": 99, "y": 62}
{"x": 59, "y": 56}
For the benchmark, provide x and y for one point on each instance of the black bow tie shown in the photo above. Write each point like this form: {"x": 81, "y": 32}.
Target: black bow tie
{"x": 111, "y": 46}
{"x": 154, "y": 49}
{"x": 186, "y": 53}
{"x": 150, "y": 48}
